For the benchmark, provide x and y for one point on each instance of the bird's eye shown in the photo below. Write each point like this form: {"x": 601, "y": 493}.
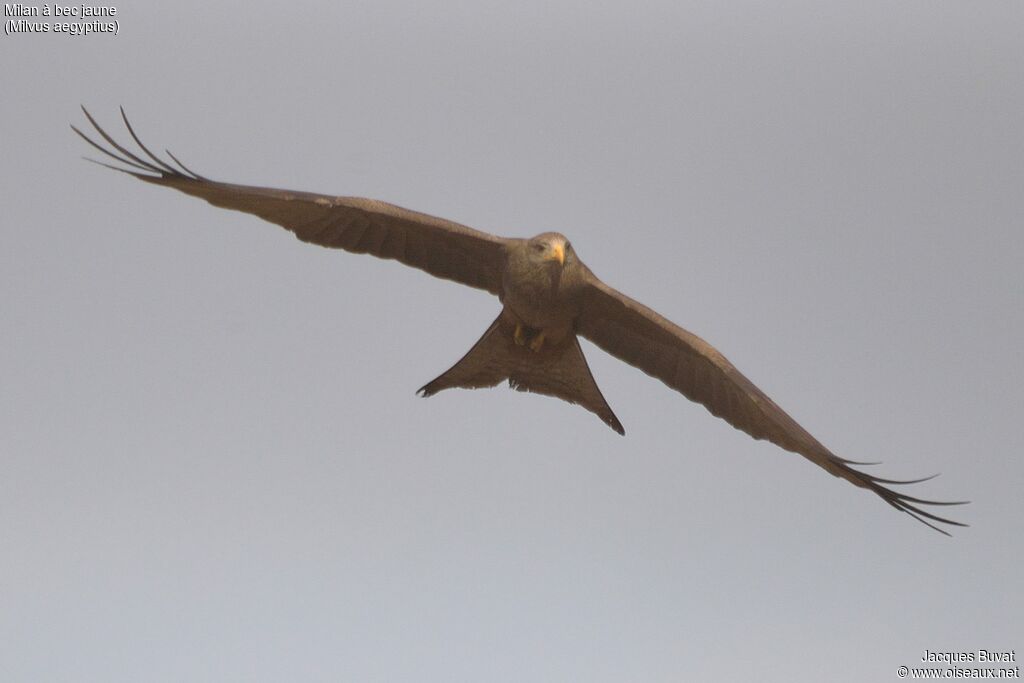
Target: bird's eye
{"x": 538, "y": 247}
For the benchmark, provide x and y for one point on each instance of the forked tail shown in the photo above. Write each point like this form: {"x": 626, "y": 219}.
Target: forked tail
{"x": 558, "y": 370}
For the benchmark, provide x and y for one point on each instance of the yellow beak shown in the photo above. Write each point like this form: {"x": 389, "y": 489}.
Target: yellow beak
{"x": 558, "y": 252}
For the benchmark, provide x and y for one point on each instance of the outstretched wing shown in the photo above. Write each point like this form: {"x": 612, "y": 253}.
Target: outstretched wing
{"x": 637, "y": 335}
{"x": 364, "y": 226}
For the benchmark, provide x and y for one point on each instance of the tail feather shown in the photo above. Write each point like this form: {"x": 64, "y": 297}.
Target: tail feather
{"x": 558, "y": 370}
{"x": 482, "y": 366}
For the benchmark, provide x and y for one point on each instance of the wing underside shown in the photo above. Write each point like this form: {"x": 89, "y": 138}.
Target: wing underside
{"x": 439, "y": 247}
{"x": 686, "y": 363}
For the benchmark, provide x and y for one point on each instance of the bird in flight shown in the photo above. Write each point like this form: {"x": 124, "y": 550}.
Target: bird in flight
{"x": 549, "y": 298}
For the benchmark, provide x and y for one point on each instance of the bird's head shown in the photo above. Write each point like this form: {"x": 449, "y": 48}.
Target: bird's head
{"x": 549, "y": 247}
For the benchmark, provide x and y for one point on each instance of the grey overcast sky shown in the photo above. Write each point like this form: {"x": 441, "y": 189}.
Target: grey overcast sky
{"x": 214, "y": 466}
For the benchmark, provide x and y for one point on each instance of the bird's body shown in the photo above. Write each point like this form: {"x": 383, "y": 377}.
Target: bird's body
{"x": 543, "y": 282}
{"x": 543, "y": 285}
{"x": 532, "y": 344}
{"x": 548, "y": 296}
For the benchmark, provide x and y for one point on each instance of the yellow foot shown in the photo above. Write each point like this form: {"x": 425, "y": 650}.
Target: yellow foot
{"x": 537, "y": 342}
{"x": 519, "y": 336}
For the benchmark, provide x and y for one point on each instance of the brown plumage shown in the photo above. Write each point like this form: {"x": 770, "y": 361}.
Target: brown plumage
{"x": 548, "y": 297}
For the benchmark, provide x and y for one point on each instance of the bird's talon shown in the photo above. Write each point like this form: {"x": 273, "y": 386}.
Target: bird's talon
{"x": 519, "y": 336}
{"x": 537, "y": 342}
